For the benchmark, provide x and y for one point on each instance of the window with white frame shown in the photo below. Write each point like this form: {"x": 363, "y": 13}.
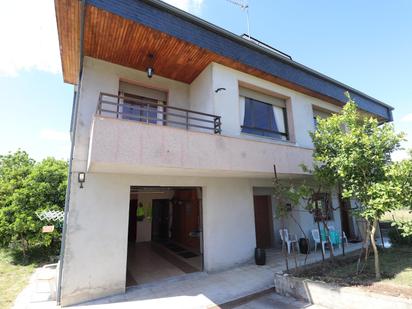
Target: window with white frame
{"x": 262, "y": 115}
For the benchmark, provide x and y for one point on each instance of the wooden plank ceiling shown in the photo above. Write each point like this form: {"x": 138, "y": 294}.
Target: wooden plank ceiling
{"x": 115, "y": 39}
{"x": 68, "y": 27}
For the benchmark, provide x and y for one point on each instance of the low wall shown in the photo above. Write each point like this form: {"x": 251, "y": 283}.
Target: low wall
{"x": 336, "y": 297}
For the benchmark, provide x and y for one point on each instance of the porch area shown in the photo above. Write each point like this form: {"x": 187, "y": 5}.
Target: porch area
{"x": 203, "y": 290}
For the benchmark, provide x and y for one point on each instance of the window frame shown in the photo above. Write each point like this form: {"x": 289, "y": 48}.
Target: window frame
{"x": 284, "y": 134}
{"x": 326, "y": 208}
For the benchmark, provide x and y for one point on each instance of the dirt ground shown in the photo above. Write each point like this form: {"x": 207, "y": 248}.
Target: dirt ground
{"x": 396, "y": 267}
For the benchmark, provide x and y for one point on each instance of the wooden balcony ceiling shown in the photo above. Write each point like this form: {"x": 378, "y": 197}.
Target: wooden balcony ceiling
{"x": 118, "y": 40}
{"x": 68, "y": 27}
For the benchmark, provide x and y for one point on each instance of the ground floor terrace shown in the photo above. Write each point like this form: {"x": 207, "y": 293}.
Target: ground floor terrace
{"x": 225, "y": 289}
{"x": 166, "y": 234}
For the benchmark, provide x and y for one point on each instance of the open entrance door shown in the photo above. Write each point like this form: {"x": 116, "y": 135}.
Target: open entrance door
{"x": 346, "y": 218}
{"x": 167, "y": 239}
{"x": 263, "y": 221}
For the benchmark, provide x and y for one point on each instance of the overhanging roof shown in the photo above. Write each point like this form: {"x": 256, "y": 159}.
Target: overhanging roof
{"x": 126, "y": 31}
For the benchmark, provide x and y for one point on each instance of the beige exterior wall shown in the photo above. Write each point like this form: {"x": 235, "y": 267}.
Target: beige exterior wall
{"x": 125, "y": 146}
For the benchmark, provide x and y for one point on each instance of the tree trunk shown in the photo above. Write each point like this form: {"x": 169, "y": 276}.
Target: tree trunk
{"x": 375, "y": 250}
{"x": 365, "y": 247}
{"x": 304, "y": 235}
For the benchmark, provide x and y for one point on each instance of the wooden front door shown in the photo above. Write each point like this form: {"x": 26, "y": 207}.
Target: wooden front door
{"x": 160, "y": 219}
{"x": 263, "y": 221}
{"x": 186, "y": 218}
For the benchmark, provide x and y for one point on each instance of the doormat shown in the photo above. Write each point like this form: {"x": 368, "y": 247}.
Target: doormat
{"x": 174, "y": 248}
{"x": 187, "y": 254}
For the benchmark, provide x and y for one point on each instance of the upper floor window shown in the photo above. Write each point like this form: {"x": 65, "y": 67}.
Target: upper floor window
{"x": 142, "y": 103}
{"x": 319, "y": 114}
{"x": 262, "y": 114}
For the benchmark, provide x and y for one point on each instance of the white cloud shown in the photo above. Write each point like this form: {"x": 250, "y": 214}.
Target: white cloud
{"x": 187, "y": 5}
{"x": 29, "y": 34}
{"x": 54, "y": 135}
{"x": 29, "y": 37}
{"x": 407, "y": 118}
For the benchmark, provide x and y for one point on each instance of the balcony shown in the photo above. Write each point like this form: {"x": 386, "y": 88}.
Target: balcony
{"x": 143, "y": 110}
{"x": 152, "y": 142}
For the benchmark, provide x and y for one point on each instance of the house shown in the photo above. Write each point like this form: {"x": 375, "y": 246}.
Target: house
{"x": 176, "y": 127}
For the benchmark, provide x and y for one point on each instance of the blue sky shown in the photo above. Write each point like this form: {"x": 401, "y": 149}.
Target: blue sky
{"x": 365, "y": 44}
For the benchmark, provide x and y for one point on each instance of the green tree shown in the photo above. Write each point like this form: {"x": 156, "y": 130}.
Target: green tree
{"x": 401, "y": 180}
{"x": 14, "y": 168}
{"x": 354, "y": 151}
{"x": 27, "y": 187}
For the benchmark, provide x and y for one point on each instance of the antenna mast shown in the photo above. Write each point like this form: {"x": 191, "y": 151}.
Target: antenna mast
{"x": 243, "y": 4}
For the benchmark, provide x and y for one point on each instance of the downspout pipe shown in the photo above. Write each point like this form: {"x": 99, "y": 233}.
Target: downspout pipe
{"x": 73, "y": 140}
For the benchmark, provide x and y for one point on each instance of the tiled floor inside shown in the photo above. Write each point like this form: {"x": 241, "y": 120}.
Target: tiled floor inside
{"x": 149, "y": 262}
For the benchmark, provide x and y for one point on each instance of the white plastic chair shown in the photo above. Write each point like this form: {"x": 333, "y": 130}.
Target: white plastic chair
{"x": 342, "y": 237}
{"x": 288, "y": 239}
{"x": 316, "y": 238}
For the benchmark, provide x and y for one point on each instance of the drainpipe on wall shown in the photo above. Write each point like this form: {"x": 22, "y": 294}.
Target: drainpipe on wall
{"x": 69, "y": 176}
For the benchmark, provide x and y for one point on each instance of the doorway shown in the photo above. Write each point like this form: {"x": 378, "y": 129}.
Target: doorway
{"x": 346, "y": 218}
{"x": 165, "y": 233}
{"x": 263, "y": 221}
{"x": 160, "y": 220}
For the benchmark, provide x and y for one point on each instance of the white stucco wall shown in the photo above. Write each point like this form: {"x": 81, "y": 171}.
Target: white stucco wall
{"x": 228, "y": 223}
{"x": 96, "y": 242}
{"x": 227, "y": 103}
{"x": 201, "y": 92}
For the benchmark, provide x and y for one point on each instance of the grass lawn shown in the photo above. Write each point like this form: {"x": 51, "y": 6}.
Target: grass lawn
{"x": 13, "y": 278}
{"x": 396, "y": 267}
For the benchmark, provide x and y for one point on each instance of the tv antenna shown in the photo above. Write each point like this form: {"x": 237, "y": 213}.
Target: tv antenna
{"x": 243, "y": 4}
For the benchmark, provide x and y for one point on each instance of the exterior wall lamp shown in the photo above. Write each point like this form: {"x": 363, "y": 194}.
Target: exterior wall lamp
{"x": 150, "y": 72}
{"x": 81, "y": 177}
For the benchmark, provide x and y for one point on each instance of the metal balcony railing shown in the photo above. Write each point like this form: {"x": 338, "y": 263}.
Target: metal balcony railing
{"x": 145, "y": 110}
